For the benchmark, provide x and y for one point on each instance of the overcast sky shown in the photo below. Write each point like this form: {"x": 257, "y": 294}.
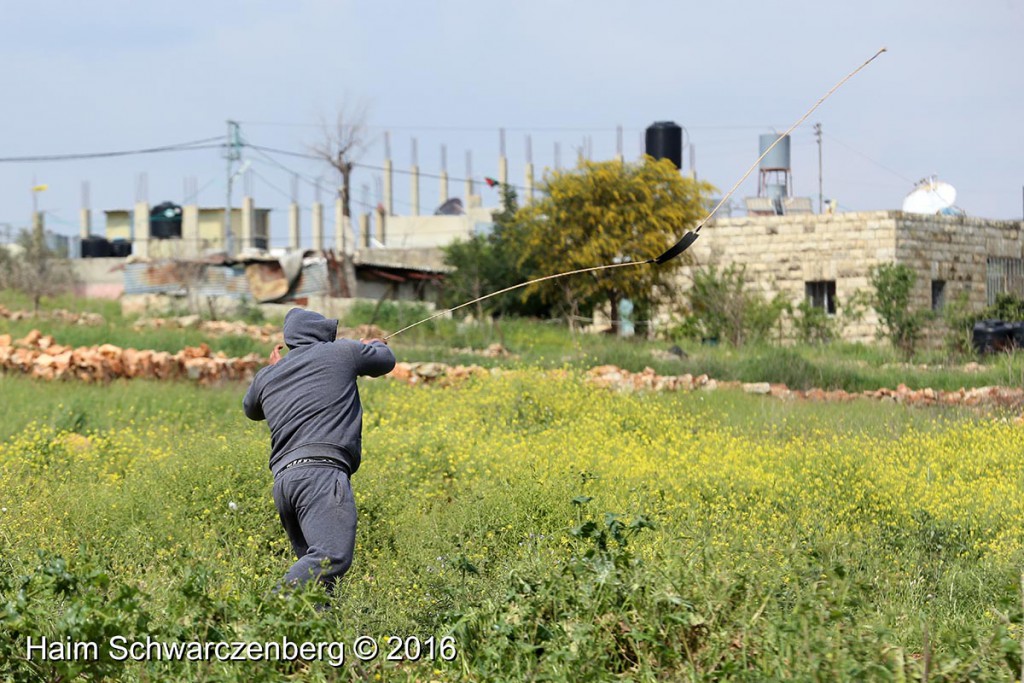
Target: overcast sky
{"x": 946, "y": 99}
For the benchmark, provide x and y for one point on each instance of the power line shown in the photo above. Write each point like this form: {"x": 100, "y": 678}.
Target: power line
{"x": 491, "y": 129}
{"x": 876, "y": 163}
{"x": 270, "y": 184}
{"x": 194, "y": 197}
{"x": 179, "y": 147}
{"x": 370, "y": 167}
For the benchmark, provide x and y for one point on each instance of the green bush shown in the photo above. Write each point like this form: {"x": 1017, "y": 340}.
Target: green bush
{"x": 813, "y": 325}
{"x": 901, "y": 325}
{"x": 721, "y": 308}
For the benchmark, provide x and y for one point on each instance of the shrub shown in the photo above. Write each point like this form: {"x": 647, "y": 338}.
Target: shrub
{"x": 722, "y": 308}
{"x": 813, "y": 325}
{"x": 892, "y": 284}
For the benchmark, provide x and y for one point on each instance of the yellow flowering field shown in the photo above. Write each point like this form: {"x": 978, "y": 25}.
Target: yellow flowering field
{"x": 548, "y": 529}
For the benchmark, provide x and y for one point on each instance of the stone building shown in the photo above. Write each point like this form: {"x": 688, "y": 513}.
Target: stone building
{"x": 825, "y": 259}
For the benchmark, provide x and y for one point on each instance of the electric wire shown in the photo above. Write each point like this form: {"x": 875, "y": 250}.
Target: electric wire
{"x": 780, "y": 137}
{"x": 371, "y": 167}
{"x": 684, "y": 241}
{"x": 179, "y": 147}
{"x": 515, "y": 129}
{"x": 865, "y": 156}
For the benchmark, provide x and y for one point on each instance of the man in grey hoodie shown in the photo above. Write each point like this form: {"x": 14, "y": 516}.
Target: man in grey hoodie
{"x": 311, "y": 403}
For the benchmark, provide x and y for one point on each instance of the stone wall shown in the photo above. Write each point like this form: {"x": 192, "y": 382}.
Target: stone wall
{"x": 954, "y": 249}
{"x": 99, "y": 278}
{"x": 783, "y": 253}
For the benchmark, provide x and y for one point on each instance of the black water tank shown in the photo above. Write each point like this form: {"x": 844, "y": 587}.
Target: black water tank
{"x": 991, "y": 336}
{"x": 120, "y": 247}
{"x": 165, "y": 221}
{"x": 664, "y": 140}
{"x": 95, "y": 246}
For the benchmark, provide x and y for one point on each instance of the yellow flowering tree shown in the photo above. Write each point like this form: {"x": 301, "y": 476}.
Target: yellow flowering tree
{"x": 607, "y": 212}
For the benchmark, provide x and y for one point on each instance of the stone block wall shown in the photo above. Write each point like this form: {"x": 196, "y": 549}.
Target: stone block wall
{"x": 954, "y": 249}
{"x": 783, "y": 253}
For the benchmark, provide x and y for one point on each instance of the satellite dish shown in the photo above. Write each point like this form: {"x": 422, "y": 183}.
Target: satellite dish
{"x": 931, "y": 196}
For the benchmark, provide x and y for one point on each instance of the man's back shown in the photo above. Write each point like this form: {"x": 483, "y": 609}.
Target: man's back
{"x": 309, "y": 398}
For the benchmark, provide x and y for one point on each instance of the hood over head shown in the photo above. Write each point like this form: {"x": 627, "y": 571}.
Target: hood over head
{"x": 302, "y": 327}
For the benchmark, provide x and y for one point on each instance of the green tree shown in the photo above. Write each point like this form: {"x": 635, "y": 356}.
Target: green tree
{"x": 607, "y": 212}
{"x": 488, "y": 263}
{"x": 892, "y": 284}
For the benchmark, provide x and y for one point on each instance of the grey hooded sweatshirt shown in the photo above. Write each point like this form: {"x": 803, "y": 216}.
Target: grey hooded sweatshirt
{"x": 309, "y": 398}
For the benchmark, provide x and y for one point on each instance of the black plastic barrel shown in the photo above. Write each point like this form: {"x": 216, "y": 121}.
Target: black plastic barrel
{"x": 165, "y": 221}
{"x": 990, "y": 336}
{"x": 664, "y": 140}
{"x": 120, "y": 247}
{"x": 95, "y": 246}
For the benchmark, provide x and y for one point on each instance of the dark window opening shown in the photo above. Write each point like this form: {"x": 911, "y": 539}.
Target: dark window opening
{"x": 822, "y": 294}
{"x": 938, "y": 294}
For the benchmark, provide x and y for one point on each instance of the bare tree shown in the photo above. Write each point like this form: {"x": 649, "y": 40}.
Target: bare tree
{"x": 341, "y": 144}
{"x": 37, "y": 270}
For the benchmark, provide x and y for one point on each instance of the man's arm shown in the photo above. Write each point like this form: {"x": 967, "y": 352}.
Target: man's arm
{"x": 251, "y": 403}
{"x": 374, "y": 358}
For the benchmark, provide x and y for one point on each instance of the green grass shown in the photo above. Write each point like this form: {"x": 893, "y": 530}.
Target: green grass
{"x": 749, "y": 539}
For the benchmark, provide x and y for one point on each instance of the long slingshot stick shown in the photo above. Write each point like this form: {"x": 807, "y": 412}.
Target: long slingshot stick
{"x": 788, "y": 131}
{"x": 684, "y": 242}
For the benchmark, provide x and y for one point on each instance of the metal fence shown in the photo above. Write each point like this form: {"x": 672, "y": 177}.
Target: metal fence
{"x": 1004, "y": 275}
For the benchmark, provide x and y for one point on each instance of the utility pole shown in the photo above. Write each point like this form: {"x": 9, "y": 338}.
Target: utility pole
{"x": 233, "y": 155}
{"x": 817, "y": 134}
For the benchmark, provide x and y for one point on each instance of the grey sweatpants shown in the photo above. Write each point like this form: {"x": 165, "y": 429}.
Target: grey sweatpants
{"x": 319, "y": 515}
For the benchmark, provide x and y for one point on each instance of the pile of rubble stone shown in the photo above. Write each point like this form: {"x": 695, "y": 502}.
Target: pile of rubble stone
{"x": 435, "y": 373}
{"x": 38, "y": 355}
{"x": 614, "y": 377}
{"x": 266, "y": 333}
{"x": 493, "y": 351}
{"x": 61, "y": 315}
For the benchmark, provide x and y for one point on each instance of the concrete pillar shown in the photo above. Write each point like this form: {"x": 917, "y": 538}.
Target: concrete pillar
{"x": 190, "y": 230}
{"x": 85, "y": 222}
{"x": 529, "y": 182}
{"x": 414, "y": 180}
{"x": 294, "y": 239}
{"x": 389, "y": 204}
{"x": 317, "y": 220}
{"x": 382, "y": 226}
{"x": 364, "y": 230}
{"x": 248, "y": 209}
{"x": 469, "y": 191}
{"x": 140, "y": 230}
{"x": 444, "y": 186}
{"x": 340, "y": 225}
{"x": 503, "y": 170}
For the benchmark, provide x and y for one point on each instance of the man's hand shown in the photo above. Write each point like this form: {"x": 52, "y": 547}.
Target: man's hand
{"x": 275, "y": 355}
{"x": 370, "y": 341}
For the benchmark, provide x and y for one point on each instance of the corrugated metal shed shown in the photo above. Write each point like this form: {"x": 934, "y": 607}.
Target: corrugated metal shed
{"x": 224, "y": 281}
{"x": 208, "y": 279}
